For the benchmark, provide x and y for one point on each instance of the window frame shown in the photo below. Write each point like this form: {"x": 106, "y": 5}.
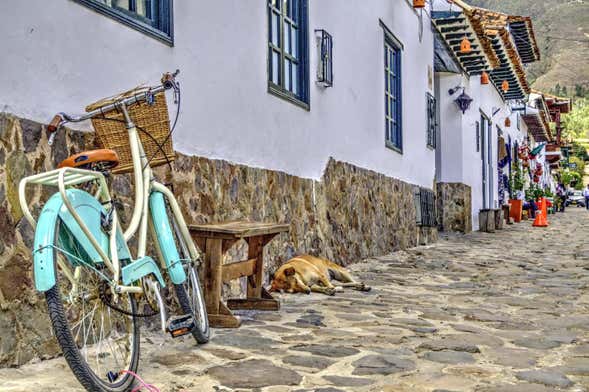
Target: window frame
{"x": 136, "y": 23}
{"x": 390, "y": 41}
{"x": 302, "y": 100}
{"x": 431, "y": 128}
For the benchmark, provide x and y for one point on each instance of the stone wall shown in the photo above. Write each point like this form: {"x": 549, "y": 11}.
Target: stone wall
{"x": 351, "y": 214}
{"x": 454, "y": 205}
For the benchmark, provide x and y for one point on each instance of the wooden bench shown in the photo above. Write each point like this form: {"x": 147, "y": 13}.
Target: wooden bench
{"x": 215, "y": 240}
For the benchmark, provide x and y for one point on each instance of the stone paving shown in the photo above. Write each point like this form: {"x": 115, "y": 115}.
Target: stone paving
{"x": 481, "y": 312}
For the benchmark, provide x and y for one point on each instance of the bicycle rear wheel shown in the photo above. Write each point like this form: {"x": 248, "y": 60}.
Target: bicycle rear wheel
{"x": 98, "y": 342}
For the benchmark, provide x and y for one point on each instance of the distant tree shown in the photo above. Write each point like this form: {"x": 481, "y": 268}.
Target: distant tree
{"x": 570, "y": 178}
{"x": 579, "y": 166}
{"x": 577, "y": 121}
{"x": 580, "y": 151}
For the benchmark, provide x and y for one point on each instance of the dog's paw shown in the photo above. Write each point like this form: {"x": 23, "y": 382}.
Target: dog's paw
{"x": 330, "y": 291}
{"x": 366, "y": 288}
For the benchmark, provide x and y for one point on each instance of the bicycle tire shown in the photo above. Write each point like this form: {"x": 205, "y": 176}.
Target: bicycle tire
{"x": 201, "y": 332}
{"x": 201, "y": 335}
{"x": 71, "y": 352}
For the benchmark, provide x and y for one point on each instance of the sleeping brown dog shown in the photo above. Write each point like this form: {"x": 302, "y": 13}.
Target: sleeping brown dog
{"x": 303, "y": 274}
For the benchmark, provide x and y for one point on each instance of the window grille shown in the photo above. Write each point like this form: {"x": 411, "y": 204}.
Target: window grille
{"x": 425, "y": 207}
{"x": 432, "y": 123}
{"x": 325, "y": 56}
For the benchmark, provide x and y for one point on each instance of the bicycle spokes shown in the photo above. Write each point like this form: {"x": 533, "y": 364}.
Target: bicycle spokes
{"x": 102, "y": 334}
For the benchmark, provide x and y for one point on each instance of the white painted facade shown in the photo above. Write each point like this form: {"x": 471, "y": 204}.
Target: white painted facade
{"x": 62, "y": 56}
{"x": 459, "y": 159}
{"x": 459, "y": 156}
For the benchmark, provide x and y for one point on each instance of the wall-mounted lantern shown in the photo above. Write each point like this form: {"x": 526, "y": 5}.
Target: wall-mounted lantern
{"x": 505, "y": 86}
{"x": 463, "y": 101}
{"x": 418, "y": 3}
{"x": 325, "y": 58}
{"x": 465, "y": 47}
{"x": 484, "y": 78}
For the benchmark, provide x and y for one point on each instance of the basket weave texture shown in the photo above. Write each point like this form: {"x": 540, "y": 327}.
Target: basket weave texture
{"x": 112, "y": 134}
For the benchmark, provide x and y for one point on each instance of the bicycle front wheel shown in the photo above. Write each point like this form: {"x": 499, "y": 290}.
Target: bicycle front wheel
{"x": 98, "y": 332}
{"x": 189, "y": 293}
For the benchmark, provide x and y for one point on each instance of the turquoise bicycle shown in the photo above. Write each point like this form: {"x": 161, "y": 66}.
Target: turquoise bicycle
{"x": 82, "y": 262}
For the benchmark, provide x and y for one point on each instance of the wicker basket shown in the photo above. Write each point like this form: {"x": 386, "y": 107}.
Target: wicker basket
{"x": 112, "y": 134}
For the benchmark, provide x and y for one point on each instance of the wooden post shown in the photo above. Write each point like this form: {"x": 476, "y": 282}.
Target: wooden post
{"x": 254, "y": 282}
{"x": 506, "y": 214}
{"x": 214, "y": 274}
{"x": 487, "y": 221}
{"x": 498, "y": 219}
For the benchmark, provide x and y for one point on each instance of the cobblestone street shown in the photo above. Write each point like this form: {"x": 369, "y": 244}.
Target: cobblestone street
{"x": 483, "y": 312}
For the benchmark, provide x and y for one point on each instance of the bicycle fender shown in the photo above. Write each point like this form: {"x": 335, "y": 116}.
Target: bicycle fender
{"x": 43, "y": 252}
{"x": 165, "y": 238}
{"x": 90, "y": 211}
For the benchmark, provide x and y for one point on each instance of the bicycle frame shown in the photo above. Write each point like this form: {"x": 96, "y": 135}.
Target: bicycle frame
{"x": 149, "y": 195}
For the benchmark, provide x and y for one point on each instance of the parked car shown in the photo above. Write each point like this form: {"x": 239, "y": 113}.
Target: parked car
{"x": 576, "y": 198}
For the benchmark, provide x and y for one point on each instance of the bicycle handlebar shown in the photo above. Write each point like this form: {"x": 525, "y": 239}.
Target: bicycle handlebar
{"x": 168, "y": 81}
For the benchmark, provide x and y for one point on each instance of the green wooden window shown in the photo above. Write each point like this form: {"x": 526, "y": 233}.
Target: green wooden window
{"x": 288, "y": 70}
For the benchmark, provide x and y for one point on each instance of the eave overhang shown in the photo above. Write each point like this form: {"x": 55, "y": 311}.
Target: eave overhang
{"x": 537, "y": 121}
{"x": 555, "y": 103}
{"x": 454, "y": 27}
{"x": 501, "y": 44}
{"x": 511, "y": 68}
{"x": 522, "y": 30}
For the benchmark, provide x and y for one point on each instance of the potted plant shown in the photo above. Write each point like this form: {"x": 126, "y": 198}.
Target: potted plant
{"x": 534, "y": 192}
{"x": 516, "y": 185}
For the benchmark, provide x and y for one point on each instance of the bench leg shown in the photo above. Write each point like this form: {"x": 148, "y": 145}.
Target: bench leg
{"x": 224, "y": 319}
{"x": 213, "y": 274}
{"x": 254, "y": 282}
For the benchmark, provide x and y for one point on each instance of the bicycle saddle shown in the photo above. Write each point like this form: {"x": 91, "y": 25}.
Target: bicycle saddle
{"x": 101, "y": 160}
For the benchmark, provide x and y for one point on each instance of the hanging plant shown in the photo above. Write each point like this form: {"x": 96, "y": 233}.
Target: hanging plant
{"x": 523, "y": 153}
{"x": 539, "y": 169}
{"x": 516, "y": 181}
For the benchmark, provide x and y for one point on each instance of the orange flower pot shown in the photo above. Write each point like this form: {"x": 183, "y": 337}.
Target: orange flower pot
{"x": 515, "y": 211}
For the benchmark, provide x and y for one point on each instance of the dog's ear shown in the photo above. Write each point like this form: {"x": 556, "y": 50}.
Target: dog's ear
{"x": 289, "y": 271}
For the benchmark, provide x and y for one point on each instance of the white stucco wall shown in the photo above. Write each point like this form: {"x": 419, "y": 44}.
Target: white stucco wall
{"x": 63, "y": 56}
{"x": 460, "y": 160}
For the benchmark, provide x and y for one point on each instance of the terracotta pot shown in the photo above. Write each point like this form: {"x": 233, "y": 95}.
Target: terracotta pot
{"x": 515, "y": 211}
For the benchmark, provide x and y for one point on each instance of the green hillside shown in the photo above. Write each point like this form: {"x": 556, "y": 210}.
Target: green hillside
{"x": 562, "y": 31}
